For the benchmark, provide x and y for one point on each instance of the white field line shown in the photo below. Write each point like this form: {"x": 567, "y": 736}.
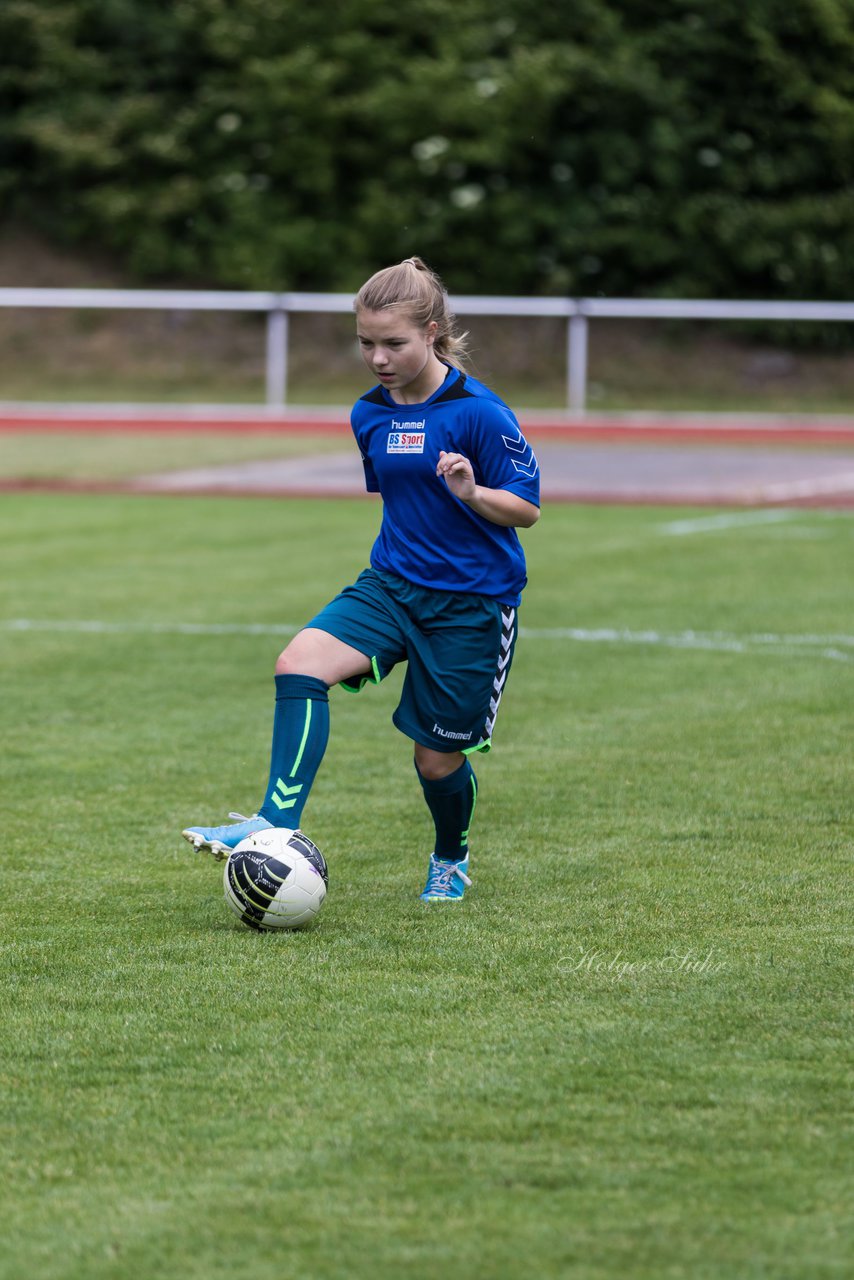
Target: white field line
{"x": 744, "y": 519}
{"x": 839, "y": 648}
{"x": 730, "y": 520}
{"x": 98, "y": 627}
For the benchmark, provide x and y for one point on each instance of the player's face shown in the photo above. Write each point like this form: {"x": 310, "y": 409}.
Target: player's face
{"x": 400, "y": 354}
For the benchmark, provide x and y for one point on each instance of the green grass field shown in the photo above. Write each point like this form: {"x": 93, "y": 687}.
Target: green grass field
{"x": 623, "y": 1057}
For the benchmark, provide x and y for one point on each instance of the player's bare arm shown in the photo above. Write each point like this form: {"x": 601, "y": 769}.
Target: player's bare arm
{"x": 498, "y": 505}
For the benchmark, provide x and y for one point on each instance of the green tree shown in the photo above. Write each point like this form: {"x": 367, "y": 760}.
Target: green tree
{"x": 692, "y": 147}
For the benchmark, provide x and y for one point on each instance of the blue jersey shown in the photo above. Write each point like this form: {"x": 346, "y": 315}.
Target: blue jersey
{"x": 427, "y": 535}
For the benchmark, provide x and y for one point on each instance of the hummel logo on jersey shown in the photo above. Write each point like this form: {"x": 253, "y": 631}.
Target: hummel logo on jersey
{"x": 410, "y": 440}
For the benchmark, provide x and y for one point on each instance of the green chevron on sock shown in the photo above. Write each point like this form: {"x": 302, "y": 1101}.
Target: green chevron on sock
{"x": 292, "y": 792}
{"x": 300, "y": 734}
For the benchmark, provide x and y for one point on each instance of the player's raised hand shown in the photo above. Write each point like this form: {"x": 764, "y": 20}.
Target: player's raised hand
{"x": 458, "y": 475}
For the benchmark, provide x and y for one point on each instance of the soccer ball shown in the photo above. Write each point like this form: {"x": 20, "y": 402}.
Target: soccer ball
{"x": 275, "y": 879}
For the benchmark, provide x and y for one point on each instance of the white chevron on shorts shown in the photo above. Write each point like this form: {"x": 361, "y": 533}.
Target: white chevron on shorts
{"x": 508, "y": 631}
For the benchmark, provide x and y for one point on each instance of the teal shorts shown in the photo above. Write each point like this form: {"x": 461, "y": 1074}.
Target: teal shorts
{"x": 458, "y": 648}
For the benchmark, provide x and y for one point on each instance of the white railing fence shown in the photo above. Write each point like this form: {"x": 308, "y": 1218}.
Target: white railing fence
{"x": 278, "y": 307}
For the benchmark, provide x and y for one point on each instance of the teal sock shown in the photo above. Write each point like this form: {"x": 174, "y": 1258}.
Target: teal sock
{"x": 300, "y": 735}
{"x": 451, "y": 802}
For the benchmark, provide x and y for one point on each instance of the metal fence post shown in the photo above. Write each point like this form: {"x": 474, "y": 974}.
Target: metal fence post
{"x": 278, "y": 306}
{"x": 576, "y": 363}
{"x": 277, "y": 357}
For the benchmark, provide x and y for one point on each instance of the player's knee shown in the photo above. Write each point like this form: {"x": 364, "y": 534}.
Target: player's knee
{"x": 316, "y": 653}
{"x": 434, "y": 765}
{"x": 291, "y": 661}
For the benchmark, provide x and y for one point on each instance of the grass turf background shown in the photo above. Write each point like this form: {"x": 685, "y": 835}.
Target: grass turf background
{"x": 623, "y": 1055}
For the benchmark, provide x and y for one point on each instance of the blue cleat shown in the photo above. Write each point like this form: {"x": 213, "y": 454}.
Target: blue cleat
{"x": 219, "y": 841}
{"x": 446, "y": 881}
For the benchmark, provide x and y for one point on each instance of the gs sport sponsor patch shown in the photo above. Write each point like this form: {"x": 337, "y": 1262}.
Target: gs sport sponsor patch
{"x": 405, "y": 441}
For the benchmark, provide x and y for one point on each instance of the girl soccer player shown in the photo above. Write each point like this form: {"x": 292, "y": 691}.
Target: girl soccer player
{"x": 457, "y": 478}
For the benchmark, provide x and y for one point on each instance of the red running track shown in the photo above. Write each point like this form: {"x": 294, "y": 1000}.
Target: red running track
{"x": 738, "y": 428}
{"x": 687, "y": 460}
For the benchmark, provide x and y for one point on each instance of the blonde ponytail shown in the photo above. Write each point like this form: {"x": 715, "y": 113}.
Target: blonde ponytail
{"x": 418, "y": 292}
